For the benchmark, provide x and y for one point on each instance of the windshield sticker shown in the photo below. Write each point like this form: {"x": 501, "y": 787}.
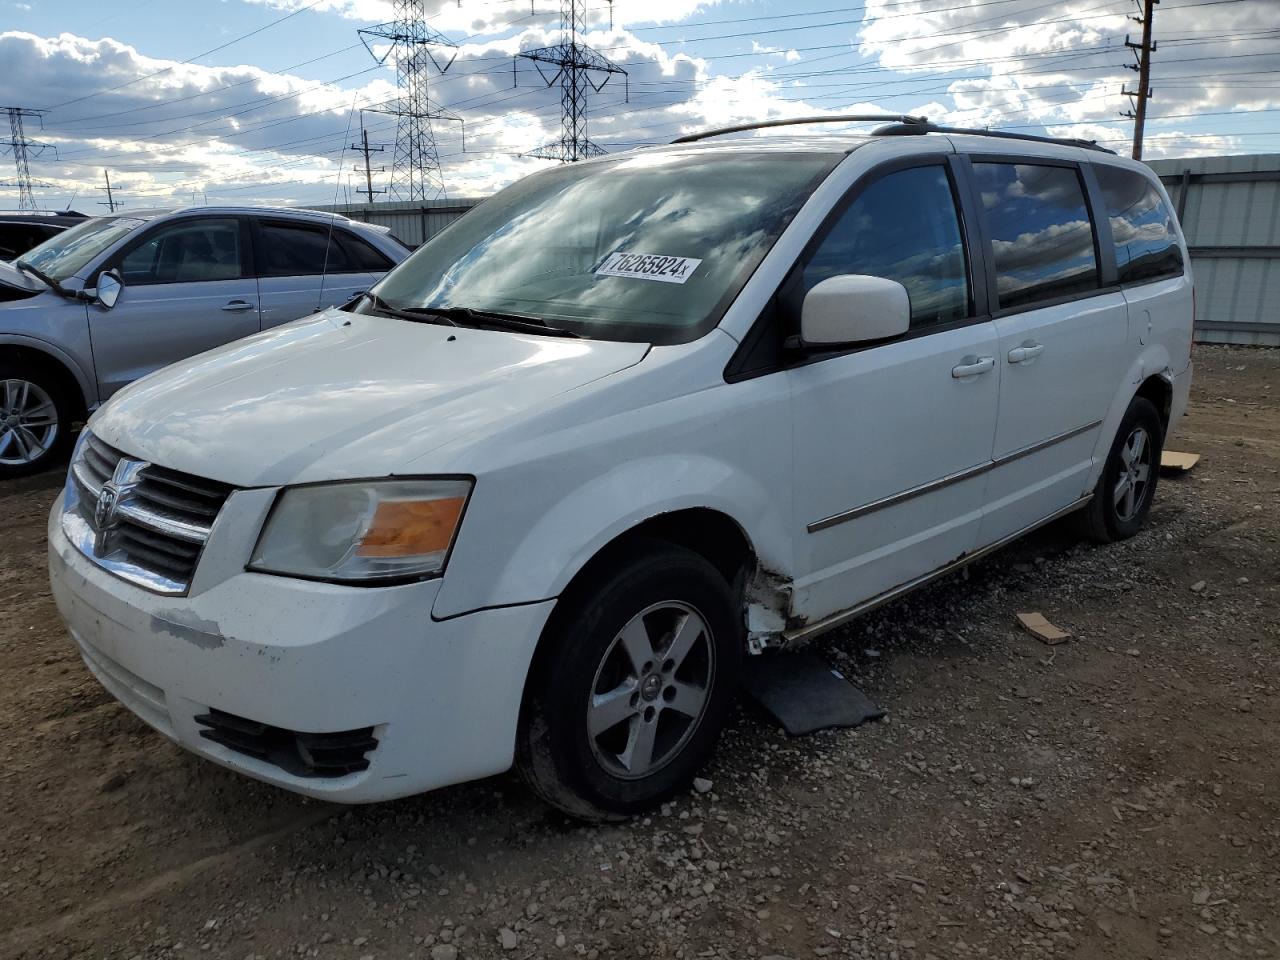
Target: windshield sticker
{"x": 646, "y": 266}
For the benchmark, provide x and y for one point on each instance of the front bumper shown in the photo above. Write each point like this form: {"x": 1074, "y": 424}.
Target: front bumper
{"x": 443, "y": 697}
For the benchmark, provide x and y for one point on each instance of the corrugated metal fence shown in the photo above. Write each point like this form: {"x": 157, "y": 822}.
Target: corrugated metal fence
{"x": 412, "y": 222}
{"x": 1230, "y": 212}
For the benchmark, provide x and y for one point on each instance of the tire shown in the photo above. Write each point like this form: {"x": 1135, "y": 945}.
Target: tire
{"x": 1124, "y": 494}
{"x": 591, "y": 710}
{"x": 36, "y": 416}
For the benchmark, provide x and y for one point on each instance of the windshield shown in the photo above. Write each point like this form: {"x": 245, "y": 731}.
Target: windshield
{"x": 64, "y": 255}
{"x": 644, "y": 248}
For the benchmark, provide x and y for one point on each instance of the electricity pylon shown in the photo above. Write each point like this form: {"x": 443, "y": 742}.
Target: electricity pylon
{"x": 23, "y": 149}
{"x": 577, "y": 66}
{"x": 415, "y": 165}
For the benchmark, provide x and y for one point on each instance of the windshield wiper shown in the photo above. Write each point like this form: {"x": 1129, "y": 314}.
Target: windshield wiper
{"x": 468, "y": 316}
{"x": 53, "y": 284}
{"x": 412, "y": 315}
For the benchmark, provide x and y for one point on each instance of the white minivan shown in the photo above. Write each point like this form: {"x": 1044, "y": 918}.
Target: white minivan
{"x": 534, "y": 498}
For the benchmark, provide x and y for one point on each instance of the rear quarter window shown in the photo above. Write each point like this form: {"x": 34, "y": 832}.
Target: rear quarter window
{"x": 1142, "y": 226}
{"x": 363, "y": 255}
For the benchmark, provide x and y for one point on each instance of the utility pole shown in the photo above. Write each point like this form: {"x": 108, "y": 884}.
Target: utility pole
{"x": 23, "y": 149}
{"x": 576, "y": 65}
{"x": 1143, "y": 53}
{"x": 368, "y": 191}
{"x": 110, "y": 202}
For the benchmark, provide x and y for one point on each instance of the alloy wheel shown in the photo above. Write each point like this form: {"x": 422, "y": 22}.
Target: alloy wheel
{"x": 28, "y": 422}
{"x": 650, "y": 690}
{"x": 1135, "y": 474}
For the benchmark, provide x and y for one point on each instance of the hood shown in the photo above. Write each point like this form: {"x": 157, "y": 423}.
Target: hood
{"x": 13, "y": 280}
{"x": 340, "y": 395}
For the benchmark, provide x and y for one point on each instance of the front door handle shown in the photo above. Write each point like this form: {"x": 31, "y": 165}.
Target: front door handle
{"x": 1029, "y": 350}
{"x": 973, "y": 366}
{"x": 237, "y": 305}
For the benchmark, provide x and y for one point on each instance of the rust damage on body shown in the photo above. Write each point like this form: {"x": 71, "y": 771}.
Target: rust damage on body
{"x": 767, "y": 604}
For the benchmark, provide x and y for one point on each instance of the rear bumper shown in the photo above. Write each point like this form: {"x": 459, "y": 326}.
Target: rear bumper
{"x": 442, "y": 697}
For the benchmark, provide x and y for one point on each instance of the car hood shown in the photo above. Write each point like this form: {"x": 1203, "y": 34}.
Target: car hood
{"x": 340, "y": 395}
{"x": 15, "y": 279}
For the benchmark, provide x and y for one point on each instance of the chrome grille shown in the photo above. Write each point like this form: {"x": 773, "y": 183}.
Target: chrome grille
{"x": 143, "y": 522}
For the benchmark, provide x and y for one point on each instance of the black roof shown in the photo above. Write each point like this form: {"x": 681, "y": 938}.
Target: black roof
{"x": 61, "y": 218}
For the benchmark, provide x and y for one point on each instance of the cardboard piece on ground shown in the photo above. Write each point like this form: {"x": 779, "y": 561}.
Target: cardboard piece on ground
{"x": 1040, "y": 628}
{"x": 1181, "y": 462}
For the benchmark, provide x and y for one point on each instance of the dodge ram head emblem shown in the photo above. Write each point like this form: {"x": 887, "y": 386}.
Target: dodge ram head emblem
{"x": 114, "y": 492}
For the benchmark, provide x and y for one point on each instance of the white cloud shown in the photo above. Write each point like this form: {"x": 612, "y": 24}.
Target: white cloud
{"x": 1059, "y": 67}
{"x": 241, "y": 132}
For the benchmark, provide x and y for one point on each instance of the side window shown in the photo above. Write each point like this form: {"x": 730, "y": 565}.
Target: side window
{"x": 1040, "y": 232}
{"x": 185, "y": 251}
{"x": 299, "y": 250}
{"x": 364, "y": 256}
{"x": 903, "y": 227}
{"x": 1145, "y": 237}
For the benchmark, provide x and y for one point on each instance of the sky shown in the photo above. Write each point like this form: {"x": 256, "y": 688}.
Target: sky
{"x": 258, "y": 101}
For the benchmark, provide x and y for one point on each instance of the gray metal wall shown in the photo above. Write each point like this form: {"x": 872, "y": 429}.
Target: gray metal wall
{"x": 412, "y": 222}
{"x": 1230, "y": 212}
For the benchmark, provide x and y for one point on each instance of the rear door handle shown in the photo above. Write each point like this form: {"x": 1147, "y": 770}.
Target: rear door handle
{"x": 237, "y": 305}
{"x": 1029, "y": 350}
{"x": 973, "y": 366}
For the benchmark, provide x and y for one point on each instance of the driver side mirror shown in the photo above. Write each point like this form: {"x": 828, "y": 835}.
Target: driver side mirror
{"x": 853, "y": 308}
{"x": 109, "y": 288}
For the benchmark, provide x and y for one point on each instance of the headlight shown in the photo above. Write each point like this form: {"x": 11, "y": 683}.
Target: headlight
{"x": 362, "y": 531}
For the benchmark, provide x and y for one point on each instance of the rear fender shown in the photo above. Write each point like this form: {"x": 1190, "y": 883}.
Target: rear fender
{"x": 1154, "y": 360}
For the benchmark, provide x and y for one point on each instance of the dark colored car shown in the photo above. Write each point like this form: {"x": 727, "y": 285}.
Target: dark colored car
{"x": 20, "y": 230}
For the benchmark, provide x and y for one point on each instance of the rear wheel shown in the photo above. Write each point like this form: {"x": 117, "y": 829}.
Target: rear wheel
{"x": 35, "y": 419}
{"x": 629, "y": 699}
{"x": 1127, "y": 486}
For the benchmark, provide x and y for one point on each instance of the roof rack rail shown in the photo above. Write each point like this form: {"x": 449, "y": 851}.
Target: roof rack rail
{"x": 900, "y": 118}
{"x": 911, "y": 128}
{"x": 901, "y": 124}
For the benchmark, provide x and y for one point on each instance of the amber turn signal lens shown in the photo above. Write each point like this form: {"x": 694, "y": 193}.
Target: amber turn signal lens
{"x": 408, "y": 528}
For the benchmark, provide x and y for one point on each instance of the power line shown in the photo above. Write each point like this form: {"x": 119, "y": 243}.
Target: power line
{"x": 157, "y": 73}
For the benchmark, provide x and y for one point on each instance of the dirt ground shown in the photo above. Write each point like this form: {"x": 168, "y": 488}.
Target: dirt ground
{"x": 1116, "y": 796}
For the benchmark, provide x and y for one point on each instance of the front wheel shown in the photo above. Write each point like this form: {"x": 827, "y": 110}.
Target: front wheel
{"x": 35, "y": 420}
{"x": 629, "y": 699}
{"x": 1127, "y": 486}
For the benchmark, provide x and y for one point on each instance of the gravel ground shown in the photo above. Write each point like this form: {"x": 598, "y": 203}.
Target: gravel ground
{"x": 1114, "y": 796}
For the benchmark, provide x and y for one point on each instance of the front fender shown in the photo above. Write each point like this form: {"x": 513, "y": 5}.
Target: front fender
{"x": 550, "y": 552}
{"x": 82, "y": 377}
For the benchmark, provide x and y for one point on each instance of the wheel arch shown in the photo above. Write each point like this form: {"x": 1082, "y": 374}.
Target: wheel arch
{"x": 1158, "y": 388}
{"x": 58, "y": 363}
{"x": 1149, "y": 376}
{"x": 712, "y": 534}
